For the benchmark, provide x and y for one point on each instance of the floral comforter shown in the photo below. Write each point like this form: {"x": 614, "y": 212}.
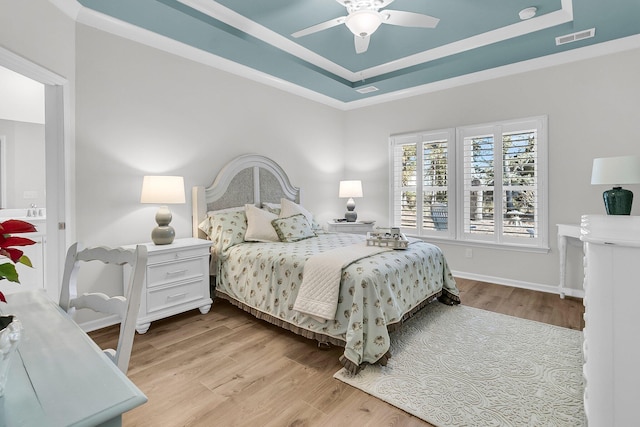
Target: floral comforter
{"x": 375, "y": 292}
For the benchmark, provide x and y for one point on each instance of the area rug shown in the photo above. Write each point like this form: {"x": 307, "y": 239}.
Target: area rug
{"x": 461, "y": 366}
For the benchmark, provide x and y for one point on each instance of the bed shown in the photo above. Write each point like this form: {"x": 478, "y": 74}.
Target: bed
{"x": 292, "y": 280}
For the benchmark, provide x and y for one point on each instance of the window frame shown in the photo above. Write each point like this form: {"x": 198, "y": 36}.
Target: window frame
{"x": 456, "y": 184}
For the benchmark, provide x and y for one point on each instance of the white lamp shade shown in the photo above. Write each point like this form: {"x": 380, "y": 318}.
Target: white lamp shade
{"x": 350, "y": 188}
{"x": 616, "y": 170}
{"x": 162, "y": 189}
{"x": 363, "y": 22}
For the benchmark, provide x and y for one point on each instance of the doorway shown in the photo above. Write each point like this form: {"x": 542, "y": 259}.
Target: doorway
{"x": 56, "y": 145}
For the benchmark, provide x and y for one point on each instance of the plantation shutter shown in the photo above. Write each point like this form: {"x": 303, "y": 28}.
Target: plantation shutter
{"x": 435, "y": 182}
{"x": 479, "y": 178}
{"x": 520, "y": 205}
{"x": 483, "y": 184}
{"x": 405, "y": 181}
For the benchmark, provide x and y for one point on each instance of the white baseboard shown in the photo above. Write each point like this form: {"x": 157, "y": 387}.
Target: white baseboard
{"x": 103, "y": 322}
{"x": 577, "y": 293}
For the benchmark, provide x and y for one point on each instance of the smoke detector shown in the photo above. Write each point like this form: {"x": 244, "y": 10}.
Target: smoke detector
{"x": 528, "y": 13}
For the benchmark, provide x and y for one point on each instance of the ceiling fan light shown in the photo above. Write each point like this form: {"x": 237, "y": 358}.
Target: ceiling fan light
{"x": 363, "y": 22}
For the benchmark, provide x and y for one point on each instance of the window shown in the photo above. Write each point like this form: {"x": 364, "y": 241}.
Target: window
{"x": 482, "y": 184}
{"x": 422, "y": 186}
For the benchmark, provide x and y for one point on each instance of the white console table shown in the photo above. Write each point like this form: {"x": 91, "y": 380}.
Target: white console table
{"x": 565, "y": 233}
{"x": 59, "y": 376}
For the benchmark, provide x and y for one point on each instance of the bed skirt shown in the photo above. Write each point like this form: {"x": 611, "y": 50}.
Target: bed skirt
{"x": 444, "y": 296}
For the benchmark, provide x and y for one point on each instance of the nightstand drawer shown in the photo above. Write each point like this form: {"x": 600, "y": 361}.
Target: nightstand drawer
{"x": 183, "y": 293}
{"x": 169, "y": 272}
{"x": 184, "y": 253}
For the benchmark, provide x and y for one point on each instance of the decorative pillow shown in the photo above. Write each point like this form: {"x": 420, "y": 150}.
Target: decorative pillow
{"x": 274, "y": 208}
{"x": 293, "y": 228}
{"x": 225, "y": 228}
{"x": 289, "y": 208}
{"x": 259, "y": 228}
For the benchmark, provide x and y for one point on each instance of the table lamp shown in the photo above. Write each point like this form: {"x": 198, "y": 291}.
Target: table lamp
{"x": 616, "y": 171}
{"x": 350, "y": 189}
{"x": 163, "y": 190}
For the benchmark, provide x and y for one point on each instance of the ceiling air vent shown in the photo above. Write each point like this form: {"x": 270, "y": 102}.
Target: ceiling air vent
{"x": 580, "y": 35}
{"x": 367, "y": 89}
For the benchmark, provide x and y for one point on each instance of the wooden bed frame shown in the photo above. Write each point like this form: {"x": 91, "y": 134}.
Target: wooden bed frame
{"x": 250, "y": 178}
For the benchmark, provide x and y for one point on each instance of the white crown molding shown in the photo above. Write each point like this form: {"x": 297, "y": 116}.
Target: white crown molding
{"x": 111, "y": 25}
{"x": 580, "y": 54}
{"x": 123, "y": 29}
{"x": 228, "y": 16}
{"x": 28, "y": 69}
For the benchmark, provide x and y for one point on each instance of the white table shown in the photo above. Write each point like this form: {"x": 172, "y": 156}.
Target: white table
{"x": 59, "y": 376}
{"x": 350, "y": 227}
{"x": 565, "y": 232}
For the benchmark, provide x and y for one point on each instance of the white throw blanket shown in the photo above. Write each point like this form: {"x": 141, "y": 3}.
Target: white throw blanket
{"x": 320, "y": 287}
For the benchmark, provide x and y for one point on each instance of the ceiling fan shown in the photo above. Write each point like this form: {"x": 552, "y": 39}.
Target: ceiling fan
{"x": 364, "y": 17}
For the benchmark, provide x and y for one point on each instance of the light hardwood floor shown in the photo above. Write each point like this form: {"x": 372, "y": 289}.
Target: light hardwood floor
{"x": 227, "y": 368}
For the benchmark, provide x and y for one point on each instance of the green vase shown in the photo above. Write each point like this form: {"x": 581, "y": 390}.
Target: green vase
{"x": 617, "y": 201}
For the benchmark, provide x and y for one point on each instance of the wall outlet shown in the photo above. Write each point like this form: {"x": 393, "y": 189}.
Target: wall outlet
{"x": 468, "y": 253}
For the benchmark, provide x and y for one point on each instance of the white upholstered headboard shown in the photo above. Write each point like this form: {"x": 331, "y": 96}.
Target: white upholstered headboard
{"x": 249, "y": 178}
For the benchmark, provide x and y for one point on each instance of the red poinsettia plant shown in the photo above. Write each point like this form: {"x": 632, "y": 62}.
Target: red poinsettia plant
{"x": 7, "y": 249}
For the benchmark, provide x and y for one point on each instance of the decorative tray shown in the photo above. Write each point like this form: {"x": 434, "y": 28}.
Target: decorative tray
{"x": 387, "y": 237}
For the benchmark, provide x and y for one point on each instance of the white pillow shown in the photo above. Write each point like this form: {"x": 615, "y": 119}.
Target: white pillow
{"x": 259, "y": 228}
{"x": 289, "y": 208}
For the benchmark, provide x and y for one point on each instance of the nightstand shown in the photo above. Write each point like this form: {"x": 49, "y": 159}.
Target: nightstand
{"x": 350, "y": 227}
{"x": 176, "y": 280}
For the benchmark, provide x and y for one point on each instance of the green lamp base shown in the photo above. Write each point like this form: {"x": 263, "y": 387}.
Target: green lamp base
{"x": 617, "y": 201}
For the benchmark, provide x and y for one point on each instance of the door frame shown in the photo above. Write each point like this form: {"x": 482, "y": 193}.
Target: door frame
{"x": 60, "y": 177}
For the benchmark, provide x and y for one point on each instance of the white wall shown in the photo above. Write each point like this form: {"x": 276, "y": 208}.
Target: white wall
{"x": 25, "y": 164}
{"x": 593, "y": 111}
{"x": 22, "y": 98}
{"x": 142, "y": 111}
{"x": 39, "y": 32}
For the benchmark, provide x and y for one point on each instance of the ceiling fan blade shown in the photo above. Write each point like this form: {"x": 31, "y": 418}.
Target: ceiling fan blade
{"x": 362, "y": 43}
{"x": 319, "y": 27}
{"x": 408, "y": 19}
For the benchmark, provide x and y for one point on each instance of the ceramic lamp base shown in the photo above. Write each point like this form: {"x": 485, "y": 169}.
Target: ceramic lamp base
{"x": 617, "y": 201}
{"x": 351, "y": 214}
{"x": 163, "y": 234}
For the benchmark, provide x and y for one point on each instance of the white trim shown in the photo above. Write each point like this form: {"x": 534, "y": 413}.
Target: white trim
{"x": 574, "y": 55}
{"x": 551, "y": 289}
{"x": 3, "y": 172}
{"x": 228, "y": 16}
{"x": 58, "y": 146}
{"x": 103, "y": 322}
{"x": 105, "y": 23}
{"x": 457, "y": 187}
{"x": 28, "y": 69}
{"x": 120, "y": 28}
{"x": 505, "y": 33}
